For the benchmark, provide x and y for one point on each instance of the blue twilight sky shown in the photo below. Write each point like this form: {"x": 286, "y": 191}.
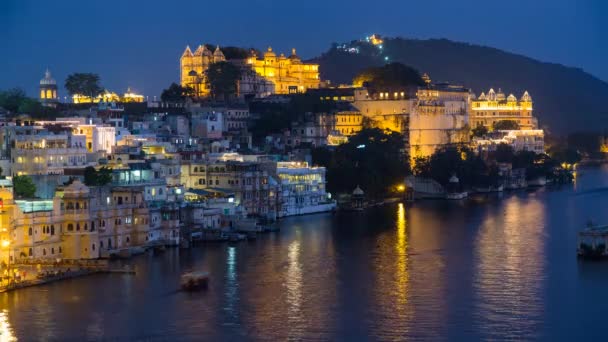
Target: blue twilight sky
{"x": 137, "y": 43}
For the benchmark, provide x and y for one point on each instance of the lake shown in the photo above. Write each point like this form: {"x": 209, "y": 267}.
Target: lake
{"x": 490, "y": 267}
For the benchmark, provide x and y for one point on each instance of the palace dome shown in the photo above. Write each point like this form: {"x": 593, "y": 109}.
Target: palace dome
{"x": 358, "y": 191}
{"x": 270, "y": 53}
{"x": 48, "y": 80}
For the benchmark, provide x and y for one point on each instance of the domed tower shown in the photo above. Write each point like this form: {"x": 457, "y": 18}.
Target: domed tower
{"x": 48, "y": 90}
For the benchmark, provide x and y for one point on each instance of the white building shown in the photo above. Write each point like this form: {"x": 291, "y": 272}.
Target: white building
{"x": 520, "y": 140}
{"x": 439, "y": 118}
{"x": 302, "y": 189}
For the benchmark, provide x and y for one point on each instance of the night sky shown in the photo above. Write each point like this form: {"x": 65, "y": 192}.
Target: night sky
{"x": 138, "y": 43}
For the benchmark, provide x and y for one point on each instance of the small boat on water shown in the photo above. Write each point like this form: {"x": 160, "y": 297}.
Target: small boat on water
{"x": 592, "y": 242}
{"x": 456, "y": 195}
{"x": 194, "y": 281}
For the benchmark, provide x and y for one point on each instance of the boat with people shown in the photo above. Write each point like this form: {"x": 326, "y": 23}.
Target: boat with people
{"x": 592, "y": 241}
{"x": 194, "y": 281}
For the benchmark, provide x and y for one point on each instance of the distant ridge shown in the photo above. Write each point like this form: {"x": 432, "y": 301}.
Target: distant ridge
{"x": 566, "y": 99}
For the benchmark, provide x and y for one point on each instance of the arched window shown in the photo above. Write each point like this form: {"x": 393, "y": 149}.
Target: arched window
{"x": 93, "y": 247}
{"x": 103, "y": 223}
{"x": 29, "y": 232}
{"x": 52, "y": 250}
{"x": 70, "y": 227}
{"x": 109, "y": 243}
{"x": 86, "y": 226}
{"x": 92, "y": 225}
{"x": 52, "y": 229}
{"x": 30, "y": 252}
{"x": 77, "y": 205}
{"x": 128, "y": 239}
{"x": 44, "y": 251}
{"x": 78, "y": 226}
{"x": 196, "y": 169}
{"x": 59, "y": 249}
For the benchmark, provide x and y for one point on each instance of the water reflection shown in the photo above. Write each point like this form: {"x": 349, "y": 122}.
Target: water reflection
{"x": 293, "y": 283}
{"x": 510, "y": 272}
{"x": 391, "y": 288}
{"x": 232, "y": 285}
{"x": 6, "y": 332}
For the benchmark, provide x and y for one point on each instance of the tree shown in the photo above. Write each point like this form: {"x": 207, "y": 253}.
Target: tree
{"x": 479, "y": 131}
{"x": 176, "y": 93}
{"x": 504, "y": 153}
{"x": 391, "y": 76}
{"x": 23, "y": 187}
{"x": 93, "y": 177}
{"x": 221, "y": 79}
{"x": 11, "y": 99}
{"x": 373, "y": 159}
{"x": 505, "y": 125}
{"x": 84, "y": 84}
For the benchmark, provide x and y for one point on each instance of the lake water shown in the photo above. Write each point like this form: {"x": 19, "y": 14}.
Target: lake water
{"x": 491, "y": 267}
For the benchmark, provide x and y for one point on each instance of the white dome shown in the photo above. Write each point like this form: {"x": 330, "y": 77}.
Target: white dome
{"x": 48, "y": 80}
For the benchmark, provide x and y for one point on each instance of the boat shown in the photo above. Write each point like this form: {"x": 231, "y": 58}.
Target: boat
{"x": 194, "y": 281}
{"x": 592, "y": 242}
{"x": 456, "y": 195}
{"x": 234, "y": 237}
{"x": 251, "y": 236}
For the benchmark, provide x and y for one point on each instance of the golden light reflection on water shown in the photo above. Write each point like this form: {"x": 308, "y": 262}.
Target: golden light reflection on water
{"x": 6, "y": 332}
{"x": 510, "y": 269}
{"x": 293, "y": 283}
{"x": 392, "y": 285}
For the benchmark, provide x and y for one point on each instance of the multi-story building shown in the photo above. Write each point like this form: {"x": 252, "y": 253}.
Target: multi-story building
{"x": 302, "y": 189}
{"x": 520, "y": 140}
{"x": 194, "y": 65}
{"x": 492, "y": 107}
{"x": 277, "y": 74}
{"x": 82, "y": 223}
{"x": 249, "y": 181}
{"x": 319, "y": 129}
{"x": 438, "y": 118}
{"x": 288, "y": 74}
{"x": 386, "y": 110}
{"x": 46, "y": 153}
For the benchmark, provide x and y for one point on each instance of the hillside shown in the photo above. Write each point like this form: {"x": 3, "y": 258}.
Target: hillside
{"x": 566, "y": 99}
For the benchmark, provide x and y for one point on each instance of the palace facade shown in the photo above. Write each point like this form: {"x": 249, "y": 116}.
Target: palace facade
{"x": 272, "y": 74}
{"x": 492, "y": 107}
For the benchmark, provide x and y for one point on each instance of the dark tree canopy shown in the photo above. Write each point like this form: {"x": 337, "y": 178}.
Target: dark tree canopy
{"x": 84, "y": 84}
{"x": 11, "y": 99}
{"x": 479, "y": 131}
{"x": 372, "y": 159}
{"x": 222, "y": 79}
{"x": 388, "y": 77}
{"x": 93, "y": 177}
{"x": 23, "y": 187}
{"x": 176, "y": 93}
{"x": 505, "y": 125}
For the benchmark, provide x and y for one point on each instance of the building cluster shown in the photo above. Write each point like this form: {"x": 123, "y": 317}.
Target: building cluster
{"x": 171, "y": 177}
{"x": 49, "y": 96}
{"x": 108, "y": 180}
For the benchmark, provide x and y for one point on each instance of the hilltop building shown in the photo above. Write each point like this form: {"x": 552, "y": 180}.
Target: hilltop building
{"x": 194, "y": 65}
{"x": 48, "y": 90}
{"x": 261, "y": 76}
{"x": 492, "y": 107}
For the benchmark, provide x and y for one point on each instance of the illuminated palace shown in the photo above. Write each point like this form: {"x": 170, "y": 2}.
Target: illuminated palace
{"x": 492, "y": 107}
{"x": 287, "y": 74}
{"x": 194, "y": 65}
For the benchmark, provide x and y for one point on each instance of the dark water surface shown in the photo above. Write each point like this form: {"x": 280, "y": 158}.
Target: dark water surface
{"x": 495, "y": 267}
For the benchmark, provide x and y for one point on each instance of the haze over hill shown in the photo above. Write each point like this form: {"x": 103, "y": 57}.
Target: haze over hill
{"x": 566, "y": 99}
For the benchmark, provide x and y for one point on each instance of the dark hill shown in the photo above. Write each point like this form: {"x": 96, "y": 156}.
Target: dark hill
{"x": 566, "y": 99}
